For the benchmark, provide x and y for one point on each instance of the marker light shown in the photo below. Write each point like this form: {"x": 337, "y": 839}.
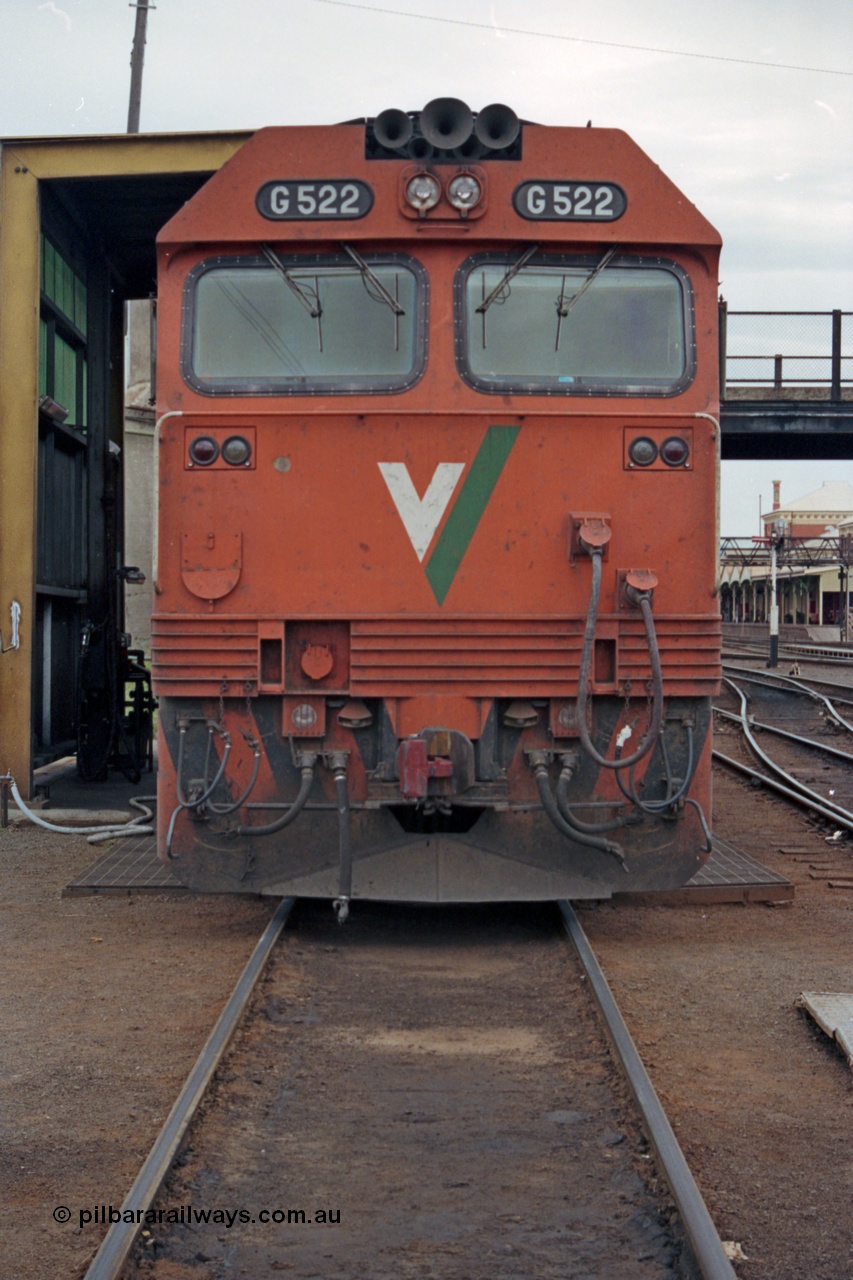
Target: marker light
{"x": 464, "y": 192}
{"x": 675, "y": 451}
{"x": 236, "y": 451}
{"x": 423, "y": 192}
{"x": 203, "y": 451}
{"x": 642, "y": 451}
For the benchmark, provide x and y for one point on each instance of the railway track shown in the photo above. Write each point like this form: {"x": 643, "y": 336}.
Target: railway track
{"x": 438, "y": 1080}
{"x": 790, "y": 651}
{"x": 795, "y": 735}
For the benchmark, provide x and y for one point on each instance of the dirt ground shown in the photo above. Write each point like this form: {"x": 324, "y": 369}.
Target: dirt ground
{"x": 761, "y": 1101}
{"x": 108, "y": 1000}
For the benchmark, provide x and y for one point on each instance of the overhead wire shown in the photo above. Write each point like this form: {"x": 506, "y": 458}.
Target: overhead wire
{"x": 557, "y": 35}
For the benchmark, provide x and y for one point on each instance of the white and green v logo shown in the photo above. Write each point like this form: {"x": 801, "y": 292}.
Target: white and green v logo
{"x": 422, "y": 516}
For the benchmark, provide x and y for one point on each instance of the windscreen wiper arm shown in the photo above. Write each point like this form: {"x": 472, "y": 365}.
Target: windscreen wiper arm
{"x": 309, "y": 299}
{"x": 367, "y": 274}
{"x": 565, "y": 305}
{"x": 504, "y": 281}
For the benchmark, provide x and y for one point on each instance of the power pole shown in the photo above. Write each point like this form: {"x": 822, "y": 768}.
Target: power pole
{"x": 137, "y": 58}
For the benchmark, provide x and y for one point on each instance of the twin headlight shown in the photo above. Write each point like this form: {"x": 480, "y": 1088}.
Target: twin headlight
{"x": 464, "y": 192}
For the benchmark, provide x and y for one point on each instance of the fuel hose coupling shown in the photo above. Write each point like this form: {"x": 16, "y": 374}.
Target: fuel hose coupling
{"x": 639, "y": 586}
{"x": 594, "y": 535}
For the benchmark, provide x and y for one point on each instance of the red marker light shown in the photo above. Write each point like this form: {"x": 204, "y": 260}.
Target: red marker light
{"x": 203, "y": 451}
{"x": 675, "y": 451}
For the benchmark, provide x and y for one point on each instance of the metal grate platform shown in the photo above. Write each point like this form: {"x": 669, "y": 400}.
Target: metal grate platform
{"x": 728, "y": 876}
{"x": 127, "y": 866}
{"x": 131, "y": 866}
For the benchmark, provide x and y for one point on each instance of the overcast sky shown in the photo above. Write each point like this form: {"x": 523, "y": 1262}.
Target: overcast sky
{"x": 745, "y": 104}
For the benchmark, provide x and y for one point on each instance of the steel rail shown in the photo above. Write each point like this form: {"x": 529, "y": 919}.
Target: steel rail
{"x": 827, "y": 750}
{"x": 805, "y": 683}
{"x": 818, "y": 653}
{"x": 796, "y": 797}
{"x": 748, "y": 676}
{"x": 112, "y": 1255}
{"x": 836, "y": 812}
{"x": 703, "y": 1235}
{"x": 815, "y": 655}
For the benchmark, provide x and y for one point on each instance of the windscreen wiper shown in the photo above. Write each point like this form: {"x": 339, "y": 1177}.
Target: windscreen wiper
{"x": 505, "y": 279}
{"x": 380, "y": 293}
{"x": 565, "y": 305}
{"x": 308, "y": 297}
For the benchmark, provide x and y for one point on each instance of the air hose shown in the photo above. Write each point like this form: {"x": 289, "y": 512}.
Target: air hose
{"x": 342, "y": 901}
{"x": 270, "y": 828}
{"x": 540, "y": 772}
{"x": 569, "y": 764}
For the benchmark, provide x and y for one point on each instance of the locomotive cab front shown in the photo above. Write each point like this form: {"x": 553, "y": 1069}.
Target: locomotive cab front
{"x": 436, "y": 614}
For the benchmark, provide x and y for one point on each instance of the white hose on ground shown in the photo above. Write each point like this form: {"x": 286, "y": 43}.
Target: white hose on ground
{"x": 96, "y": 834}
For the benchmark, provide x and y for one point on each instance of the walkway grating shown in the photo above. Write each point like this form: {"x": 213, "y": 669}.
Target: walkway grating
{"x": 131, "y": 866}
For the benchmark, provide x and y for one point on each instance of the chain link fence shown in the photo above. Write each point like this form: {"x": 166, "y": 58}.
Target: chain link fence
{"x": 781, "y": 351}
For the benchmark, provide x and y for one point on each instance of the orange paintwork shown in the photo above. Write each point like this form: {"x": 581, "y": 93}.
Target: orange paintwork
{"x": 295, "y": 577}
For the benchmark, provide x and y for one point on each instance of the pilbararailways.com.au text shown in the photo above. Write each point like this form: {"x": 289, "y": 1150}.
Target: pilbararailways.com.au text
{"x": 108, "y": 1215}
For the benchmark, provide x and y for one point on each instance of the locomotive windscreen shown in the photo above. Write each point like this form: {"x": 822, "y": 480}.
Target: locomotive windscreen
{"x": 279, "y": 325}
{"x": 567, "y": 326}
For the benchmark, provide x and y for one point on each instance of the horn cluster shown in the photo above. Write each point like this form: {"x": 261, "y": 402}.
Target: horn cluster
{"x": 446, "y": 129}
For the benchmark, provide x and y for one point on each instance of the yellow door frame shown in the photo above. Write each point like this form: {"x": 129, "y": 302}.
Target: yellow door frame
{"x": 24, "y": 164}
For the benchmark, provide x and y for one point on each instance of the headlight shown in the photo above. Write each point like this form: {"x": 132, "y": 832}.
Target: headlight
{"x": 423, "y": 192}
{"x": 464, "y": 192}
{"x": 642, "y": 451}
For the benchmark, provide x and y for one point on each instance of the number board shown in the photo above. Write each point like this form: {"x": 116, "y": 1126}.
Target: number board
{"x": 303, "y": 201}
{"x": 571, "y": 201}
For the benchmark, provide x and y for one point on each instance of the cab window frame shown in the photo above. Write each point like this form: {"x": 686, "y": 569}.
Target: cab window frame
{"x": 580, "y": 386}
{"x": 345, "y": 383}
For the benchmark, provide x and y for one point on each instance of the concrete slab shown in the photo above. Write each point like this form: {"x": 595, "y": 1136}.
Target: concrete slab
{"x": 833, "y": 1013}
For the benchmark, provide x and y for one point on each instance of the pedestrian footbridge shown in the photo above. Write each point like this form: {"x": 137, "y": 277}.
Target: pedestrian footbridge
{"x": 786, "y": 384}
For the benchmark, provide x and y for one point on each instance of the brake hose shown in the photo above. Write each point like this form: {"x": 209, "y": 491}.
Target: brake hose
{"x": 270, "y": 828}
{"x": 342, "y": 901}
{"x": 569, "y": 764}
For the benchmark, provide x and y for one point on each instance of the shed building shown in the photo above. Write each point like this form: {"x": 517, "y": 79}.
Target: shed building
{"x": 78, "y": 221}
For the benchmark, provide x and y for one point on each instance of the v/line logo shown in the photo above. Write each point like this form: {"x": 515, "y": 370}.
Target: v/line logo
{"x": 422, "y": 516}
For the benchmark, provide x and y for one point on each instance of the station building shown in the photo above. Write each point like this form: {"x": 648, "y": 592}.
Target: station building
{"x": 817, "y": 598}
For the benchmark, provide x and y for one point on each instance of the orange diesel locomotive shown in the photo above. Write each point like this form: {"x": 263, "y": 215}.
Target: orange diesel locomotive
{"x": 436, "y": 615}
